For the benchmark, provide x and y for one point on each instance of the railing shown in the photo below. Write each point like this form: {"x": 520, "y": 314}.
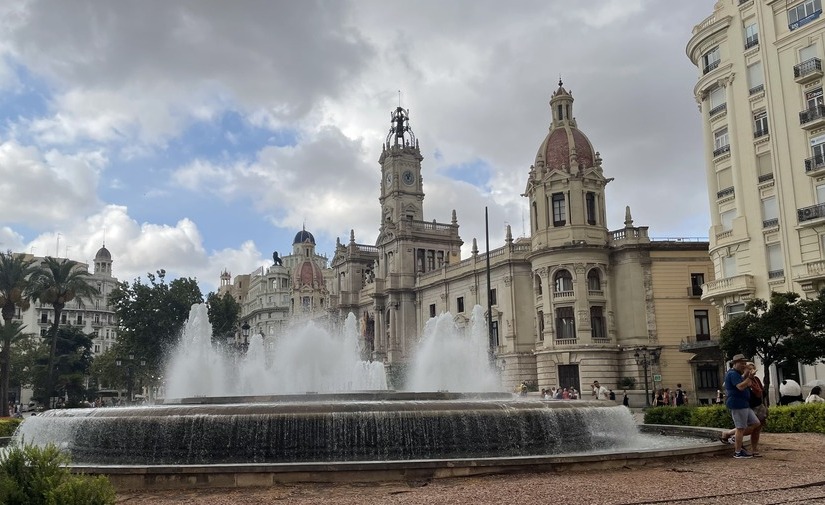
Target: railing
{"x": 724, "y": 192}
{"x": 812, "y": 114}
{"x": 694, "y": 290}
{"x": 601, "y": 340}
{"x": 562, "y": 294}
{"x": 809, "y": 213}
{"x": 760, "y": 133}
{"x": 710, "y": 66}
{"x": 736, "y": 284}
{"x": 698, "y": 342}
{"x": 678, "y": 239}
{"x": 595, "y": 292}
{"x": 565, "y": 341}
{"x": 765, "y": 177}
{"x": 770, "y": 223}
{"x": 704, "y": 24}
{"x": 629, "y": 233}
{"x": 430, "y": 225}
{"x": 814, "y": 163}
{"x": 776, "y": 274}
{"x": 807, "y": 67}
{"x": 752, "y": 42}
{"x": 721, "y": 150}
{"x": 367, "y": 248}
{"x": 718, "y": 109}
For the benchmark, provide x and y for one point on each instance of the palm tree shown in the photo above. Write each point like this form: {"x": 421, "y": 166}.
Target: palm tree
{"x": 57, "y": 283}
{"x": 15, "y": 273}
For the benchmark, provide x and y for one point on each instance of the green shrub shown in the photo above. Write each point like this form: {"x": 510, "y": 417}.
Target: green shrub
{"x": 31, "y": 475}
{"x": 680, "y": 416}
{"x": 805, "y": 418}
{"x": 713, "y": 416}
{"x": 8, "y": 425}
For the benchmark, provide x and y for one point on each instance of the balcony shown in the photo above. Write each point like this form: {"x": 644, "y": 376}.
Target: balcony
{"x": 565, "y": 341}
{"x": 710, "y": 66}
{"x": 760, "y": 133}
{"x": 776, "y": 274}
{"x": 765, "y": 178}
{"x": 814, "y": 165}
{"x": 718, "y": 109}
{"x": 812, "y": 118}
{"x": 729, "y": 286}
{"x": 770, "y": 223}
{"x": 692, "y": 342}
{"x": 807, "y": 71}
{"x": 694, "y": 291}
{"x": 563, "y": 294}
{"x": 719, "y": 151}
{"x": 810, "y": 213}
{"x": 751, "y": 42}
{"x": 757, "y": 89}
{"x": 724, "y": 192}
{"x": 809, "y": 274}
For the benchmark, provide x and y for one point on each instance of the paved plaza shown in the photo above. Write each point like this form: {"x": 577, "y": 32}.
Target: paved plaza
{"x": 791, "y": 471}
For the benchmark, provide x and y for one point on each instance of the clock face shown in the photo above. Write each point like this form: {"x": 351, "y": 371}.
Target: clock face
{"x": 389, "y": 178}
{"x": 408, "y": 178}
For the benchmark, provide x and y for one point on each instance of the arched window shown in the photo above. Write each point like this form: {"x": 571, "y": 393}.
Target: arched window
{"x": 594, "y": 280}
{"x": 562, "y": 281}
{"x": 537, "y": 282}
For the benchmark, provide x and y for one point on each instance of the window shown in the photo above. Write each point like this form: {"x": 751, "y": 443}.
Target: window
{"x": 807, "y": 53}
{"x": 820, "y": 193}
{"x": 97, "y": 348}
{"x": 711, "y": 59}
{"x": 701, "y": 322}
{"x": 460, "y": 304}
{"x": 44, "y": 317}
{"x": 760, "y": 124}
{"x": 764, "y": 167}
{"x": 708, "y": 377}
{"x": 594, "y": 280}
{"x": 493, "y": 297}
{"x": 439, "y": 258}
{"x": 751, "y": 35}
{"x": 430, "y": 260}
{"x": 726, "y": 219}
{"x": 804, "y": 13}
{"x": 770, "y": 212}
{"x": 756, "y": 79}
{"x": 813, "y": 98}
{"x": 776, "y": 264}
{"x": 432, "y": 310}
{"x": 696, "y": 281}
{"x": 717, "y": 100}
{"x": 597, "y": 329}
{"x": 565, "y": 323}
{"x": 562, "y": 281}
{"x": 540, "y": 319}
{"x": 734, "y": 310}
{"x": 818, "y": 151}
{"x": 729, "y": 266}
{"x": 590, "y": 203}
{"x": 494, "y": 331}
{"x": 537, "y": 283}
{"x": 724, "y": 179}
{"x": 63, "y": 319}
{"x": 559, "y": 210}
{"x": 721, "y": 143}
{"x": 79, "y": 320}
{"x": 97, "y": 319}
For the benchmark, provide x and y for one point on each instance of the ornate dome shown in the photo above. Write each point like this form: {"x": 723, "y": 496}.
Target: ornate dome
{"x": 303, "y": 236}
{"x": 103, "y": 254}
{"x": 307, "y": 274}
{"x": 565, "y": 143}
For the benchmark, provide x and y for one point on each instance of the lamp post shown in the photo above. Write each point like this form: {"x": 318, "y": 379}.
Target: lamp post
{"x": 129, "y": 363}
{"x": 244, "y": 343}
{"x": 646, "y": 358}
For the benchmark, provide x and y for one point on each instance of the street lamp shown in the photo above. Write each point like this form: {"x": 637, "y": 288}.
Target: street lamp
{"x": 646, "y": 358}
{"x": 244, "y": 344}
{"x": 130, "y": 363}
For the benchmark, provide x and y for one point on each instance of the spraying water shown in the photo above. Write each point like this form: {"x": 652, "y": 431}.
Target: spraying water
{"x": 450, "y": 358}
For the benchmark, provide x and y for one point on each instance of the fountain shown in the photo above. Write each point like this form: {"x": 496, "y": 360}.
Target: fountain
{"x": 315, "y": 407}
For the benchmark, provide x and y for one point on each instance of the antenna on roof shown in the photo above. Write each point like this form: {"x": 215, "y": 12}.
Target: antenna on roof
{"x": 399, "y": 98}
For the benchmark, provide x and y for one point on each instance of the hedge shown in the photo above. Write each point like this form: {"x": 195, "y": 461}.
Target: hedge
{"x": 8, "y": 425}
{"x": 805, "y": 418}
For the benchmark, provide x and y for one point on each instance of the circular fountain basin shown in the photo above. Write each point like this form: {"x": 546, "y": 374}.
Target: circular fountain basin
{"x": 234, "y": 441}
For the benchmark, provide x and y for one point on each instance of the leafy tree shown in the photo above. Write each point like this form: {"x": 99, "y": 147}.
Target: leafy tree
{"x": 224, "y": 314}
{"x": 15, "y": 271}
{"x": 774, "y": 333}
{"x": 25, "y": 348}
{"x": 152, "y": 315}
{"x": 812, "y": 348}
{"x": 57, "y": 283}
{"x": 72, "y": 364}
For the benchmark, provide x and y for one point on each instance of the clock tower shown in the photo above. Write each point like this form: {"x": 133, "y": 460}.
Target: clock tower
{"x": 402, "y": 195}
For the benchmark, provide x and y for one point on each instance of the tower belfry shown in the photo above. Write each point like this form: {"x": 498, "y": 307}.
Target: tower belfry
{"x": 399, "y": 126}
{"x": 402, "y": 192}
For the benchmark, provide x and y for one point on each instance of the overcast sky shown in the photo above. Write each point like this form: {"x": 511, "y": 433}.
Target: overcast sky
{"x": 199, "y": 136}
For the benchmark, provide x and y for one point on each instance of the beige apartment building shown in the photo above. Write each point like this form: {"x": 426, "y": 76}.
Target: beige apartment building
{"x": 760, "y": 96}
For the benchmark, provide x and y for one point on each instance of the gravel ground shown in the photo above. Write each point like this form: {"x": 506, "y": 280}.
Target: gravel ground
{"x": 791, "y": 471}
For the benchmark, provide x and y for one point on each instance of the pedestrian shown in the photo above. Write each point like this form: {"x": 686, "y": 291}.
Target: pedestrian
{"x": 680, "y": 396}
{"x": 719, "y": 397}
{"x": 612, "y": 396}
{"x": 738, "y": 381}
{"x": 757, "y": 401}
{"x": 625, "y": 399}
{"x": 600, "y": 392}
{"x": 815, "y": 397}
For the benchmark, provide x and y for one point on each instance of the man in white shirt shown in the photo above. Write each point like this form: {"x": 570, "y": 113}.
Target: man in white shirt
{"x": 600, "y": 392}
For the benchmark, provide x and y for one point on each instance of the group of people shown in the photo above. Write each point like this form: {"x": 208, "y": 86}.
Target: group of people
{"x": 664, "y": 397}
{"x": 560, "y": 393}
{"x": 745, "y": 398}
